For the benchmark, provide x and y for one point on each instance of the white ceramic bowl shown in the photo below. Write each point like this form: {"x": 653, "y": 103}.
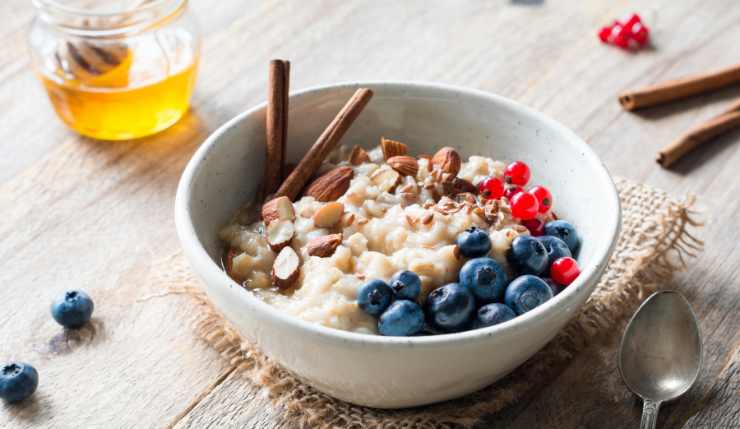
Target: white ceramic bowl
{"x": 382, "y": 371}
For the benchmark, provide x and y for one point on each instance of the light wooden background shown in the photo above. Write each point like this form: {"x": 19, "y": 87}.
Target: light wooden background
{"x": 83, "y": 214}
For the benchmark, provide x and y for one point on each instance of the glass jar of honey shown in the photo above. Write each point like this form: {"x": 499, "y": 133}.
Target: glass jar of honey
{"x": 116, "y": 69}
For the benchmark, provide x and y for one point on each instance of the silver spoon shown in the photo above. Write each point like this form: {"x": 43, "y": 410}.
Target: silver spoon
{"x": 660, "y": 355}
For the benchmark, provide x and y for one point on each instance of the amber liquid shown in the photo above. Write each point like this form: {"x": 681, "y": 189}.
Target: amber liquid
{"x": 108, "y": 110}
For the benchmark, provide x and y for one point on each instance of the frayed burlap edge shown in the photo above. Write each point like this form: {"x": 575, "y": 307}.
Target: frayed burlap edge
{"x": 654, "y": 243}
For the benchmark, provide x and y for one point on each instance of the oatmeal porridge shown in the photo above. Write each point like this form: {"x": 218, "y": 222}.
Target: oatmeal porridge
{"x": 369, "y": 215}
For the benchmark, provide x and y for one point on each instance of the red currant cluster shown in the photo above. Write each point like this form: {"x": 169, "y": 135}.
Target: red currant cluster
{"x": 525, "y": 205}
{"x": 630, "y": 34}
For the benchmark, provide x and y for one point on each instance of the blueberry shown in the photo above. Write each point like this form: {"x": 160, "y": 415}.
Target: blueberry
{"x": 485, "y": 278}
{"x": 556, "y": 248}
{"x": 554, "y": 287}
{"x": 474, "y": 242}
{"x": 18, "y": 381}
{"x": 566, "y": 232}
{"x": 402, "y": 319}
{"x": 406, "y": 285}
{"x": 493, "y": 314}
{"x": 450, "y": 308}
{"x": 374, "y": 297}
{"x": 72, "y": 310}
{"x": 526, "y": 292}
{"x": 528, "y": 255}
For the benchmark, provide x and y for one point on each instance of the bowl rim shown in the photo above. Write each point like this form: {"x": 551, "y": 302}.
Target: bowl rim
{"x": 189, "y": 239}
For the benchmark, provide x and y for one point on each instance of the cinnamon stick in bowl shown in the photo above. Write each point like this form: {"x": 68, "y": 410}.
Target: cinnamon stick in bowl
{"x": 326, "y": 142}
{"x": 722, "y": 123}
{"x": 276, "y": 125}
{"x": 679, "y": 88}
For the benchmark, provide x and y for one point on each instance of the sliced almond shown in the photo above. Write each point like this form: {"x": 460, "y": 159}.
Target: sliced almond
{"x": 392, "y": 148}
{"x": 286, "y": 268}
{"x": 331, "y": 185}
{"x": 385, "y": 179}
{"x": 324, "y": 246}
{"x": 427, "y": 218}
{"x": 279, "y": 208}
{"x": 358, "y": 156}
{"x": 448, "y": 160}
{"x": 279, "y": 233}
{"x": 229, "y": 264}
{"x": 328, "y": 215}
{"x": 348, "y": 219}
{"x": 404, "y": 164}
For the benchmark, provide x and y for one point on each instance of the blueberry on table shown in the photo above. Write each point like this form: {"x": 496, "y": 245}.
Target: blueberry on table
{"x": 402, "y": 319}
{"x": 528, "y": 255}
{"x": 493, "y": 314}
{"x": 484, "y": 277}
{"x": 406, "y": 285}
{"x": 450, "y": 308}
{"x": 526, "y": 292}
{"x": 18, "y": 381}
{"x": 566, "y": 232}
{"x": 556, "y": 248}
{"x": 374, "y": 297}
{"x": 474, "y": 242}
{"x": 72, "y": 310}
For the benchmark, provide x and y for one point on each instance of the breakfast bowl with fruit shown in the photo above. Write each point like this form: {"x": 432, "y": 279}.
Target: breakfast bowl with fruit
{"x": 423, "y": 245}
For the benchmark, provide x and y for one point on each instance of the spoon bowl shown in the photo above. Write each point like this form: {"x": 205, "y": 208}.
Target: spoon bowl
{"x": 661, "y": 351}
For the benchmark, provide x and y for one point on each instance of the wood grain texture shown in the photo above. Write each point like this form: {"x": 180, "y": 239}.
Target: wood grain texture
{"x": 79, "y": 213}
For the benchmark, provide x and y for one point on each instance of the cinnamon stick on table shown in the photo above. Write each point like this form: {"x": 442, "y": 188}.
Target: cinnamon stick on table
{"x": 326, "y": 142}
{"x": 276, "y": 125}
{"x": 726, "y": 121}
{"x": 680, "y": 88}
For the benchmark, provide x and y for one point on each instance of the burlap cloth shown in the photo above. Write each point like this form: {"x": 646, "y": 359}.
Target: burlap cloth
{"x": 654, "y": 243}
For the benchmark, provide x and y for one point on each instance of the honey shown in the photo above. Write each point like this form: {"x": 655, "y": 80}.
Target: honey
{"x": 120, "y": 112}
{"x": 116, "y": 70}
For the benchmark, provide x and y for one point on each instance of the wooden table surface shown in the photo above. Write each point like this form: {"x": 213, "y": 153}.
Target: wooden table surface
{"x": 77, "y": 213}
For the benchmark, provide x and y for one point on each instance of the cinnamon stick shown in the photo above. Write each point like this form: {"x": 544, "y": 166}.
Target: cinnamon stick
{"x": 326, "y": 142}
{"x": 698, "y": 135}
{"x": 276, "y": 125}
{"x": 680, "y": 88}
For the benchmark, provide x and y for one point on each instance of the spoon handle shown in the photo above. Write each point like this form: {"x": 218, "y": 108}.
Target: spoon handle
{"x": 649, "y": 414}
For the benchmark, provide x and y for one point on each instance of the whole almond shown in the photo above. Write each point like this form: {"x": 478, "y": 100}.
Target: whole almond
{"x": 331, "y": 185}
{"x": 459, "y": 186}
{"x": 286, "y": 268}
{"x": 358, "y": 156}
{"x": 392, "y": 148}
{"x": 404, "y": 164}
{"x": 278, "y": 208}
{"x": 324, "y": 246}
{"x": 328, "y": 215}
{"x": 448, "y": 160}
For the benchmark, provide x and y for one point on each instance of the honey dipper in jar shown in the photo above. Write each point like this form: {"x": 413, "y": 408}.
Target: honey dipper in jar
{"x": 116, "y": 70}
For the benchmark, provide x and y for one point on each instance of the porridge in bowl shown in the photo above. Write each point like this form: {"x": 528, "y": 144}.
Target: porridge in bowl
{"x": 386, "y": 242}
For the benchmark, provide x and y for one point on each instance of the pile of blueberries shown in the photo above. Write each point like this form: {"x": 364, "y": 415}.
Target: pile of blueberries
{"x": 484, "y": 295}
{"x": 19, "y": 380}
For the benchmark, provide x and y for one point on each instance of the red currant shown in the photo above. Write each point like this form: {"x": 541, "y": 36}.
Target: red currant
{"x": 544, "y": 197}
{"x": 511, "y": 191}
{"x": 604, "y": 34}
{"x": 524, "y": 206}
{"x": 517, "y": 173}
{"x": 622, "y": 41}
{"x": 564, "y": 270}
{"x": 535, "y": 226}
{"x": 632, "y": 20}
{"x": 640, "y": 34}
{"x": 491, "y": 188}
